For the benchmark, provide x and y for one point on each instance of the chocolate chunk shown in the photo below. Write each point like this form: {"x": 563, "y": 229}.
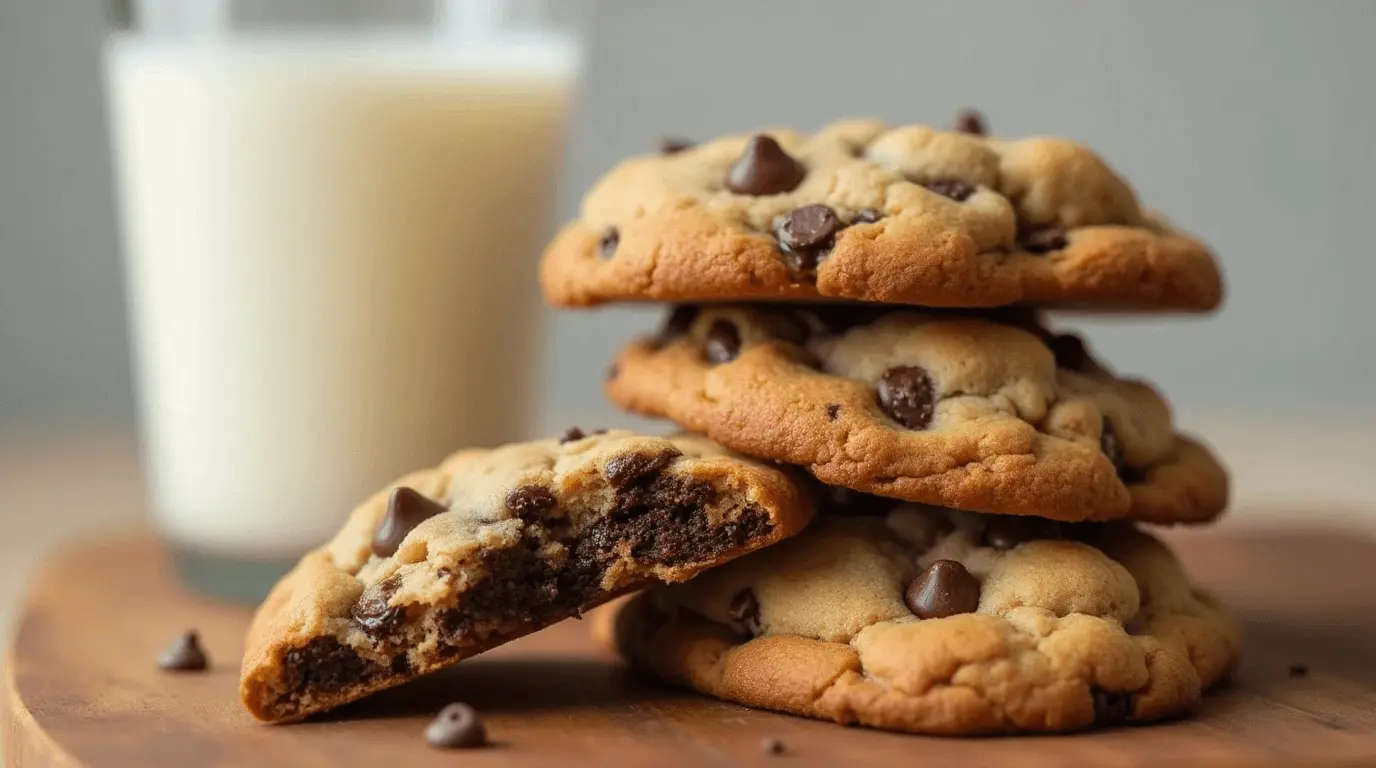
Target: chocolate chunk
{"x": 530, "y": 501}
{"x": 627, "y": 468}
{"x": 744, "y": 611}
{"x": 906, "y": 394}
{"x": 1108, "y": 443}
{"x": 955, "y": 189}
{"x": 457, "y": 726}
{"x": 1044, "y": 240}
{"x": 1298, "y": 669}
{"x": 1069, "y": 350}
{"x": 607, "y": 245}
{"x": 806, "y": 235}
{"x": 764, "y": 168}
{"x": 406, "y": 509}
{"x": 771, "y": 746}
{"x": 1003, "y": 532}
{"x": 671, "y": 145}
{"x": 184, "y": 654}
{"x": 969, "y": 121}
{"x": 723, "y": 342}
{"x": 374, "y": 612}
{"x": 867, "y": 216}
{"x": 833, "y": 411}
{"x": 1111, "y": 707}
{"x": 571, "y": 434}
{"x": 944, "y": 589}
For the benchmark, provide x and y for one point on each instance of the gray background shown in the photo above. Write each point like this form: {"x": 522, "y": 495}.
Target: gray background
{"x": 1249, "y": 122}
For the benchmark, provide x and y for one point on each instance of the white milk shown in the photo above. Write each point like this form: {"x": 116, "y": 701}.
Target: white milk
{"x": 331, "y": 257}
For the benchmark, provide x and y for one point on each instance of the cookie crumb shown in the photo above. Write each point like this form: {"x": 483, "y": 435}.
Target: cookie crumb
{"x": 771, "y": 746}
{"x": 184, "y": 655}
{"x": 1299, "y": 669}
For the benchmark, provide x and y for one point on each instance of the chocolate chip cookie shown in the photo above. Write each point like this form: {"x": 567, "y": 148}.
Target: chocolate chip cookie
{"x": 934, "y": 621}
{"x": 495, "y": 544}
{"x": 907, "y": 215}
{"x": 992, "y": 414}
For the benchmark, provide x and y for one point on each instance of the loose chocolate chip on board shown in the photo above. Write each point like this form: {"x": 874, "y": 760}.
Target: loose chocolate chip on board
{"x": 906, "y": 394}
{"x": 571, "y": 434}
{"x": 671, "y": 145}
{"x": 607, "y": 245}
{"x": 806, "y": 235}
{"x": 530, "y": 501}
{"x": 969, "y": 121}
{"x": 1003, "y": 532}
{"x": 771, "y": 746}
{"x": 866, "y": 216}
{"x": 944, "y": 589}
{"x": 744, "y": 611}
{"x": 184, "y": 655}
{"x": 764, "y": 168}
{"x": 1111, "y": 707}
{"x": 457, "y": 726}
{"x": 723, "y": 342}
{"x": 406, "y": 509}
{"x": 955, "y": 189}
{"x": 1043, "y": 240}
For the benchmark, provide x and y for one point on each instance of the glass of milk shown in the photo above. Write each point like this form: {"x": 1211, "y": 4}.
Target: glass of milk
{"x": 330, "y": 227}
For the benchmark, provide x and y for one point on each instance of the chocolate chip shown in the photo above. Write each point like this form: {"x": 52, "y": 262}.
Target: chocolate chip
{"x": 1069, "y": 350}
{"x": 1111, "y": 707}
{"x": 833, "y": 411}
{"x": 944, "y": 589}
{"x": 806, "y": 235}
{"x": 457, "y": 726}
{"x": 1108, "y": 443}
{"x": 1044, "y": 240}
{"x": 1298, "y": 669}
{"x": 184, "y": 654}
{"x": 906, "y": 394}
{"x": 744, "y": 611}
{"x": 764, "y": 168}
{"x": 1003, "y": 532}
{"x": 671, "y": 145}
{"x": 571, "y": 434}
{"x": 679, "y": 322}
{"x": 374, "y": 611}
{"x": 607, "y": 245}
{"x": 530, "y": 501}
{"x": 627, "y": 468}
{"x": 723, "y": 342}
{"x": 771, "y": 746}
{"x": 867, "y": 216}
{"x": 406, "y": 509}
{"x": 969, "y": 121}
{"x": 955, "y": 189}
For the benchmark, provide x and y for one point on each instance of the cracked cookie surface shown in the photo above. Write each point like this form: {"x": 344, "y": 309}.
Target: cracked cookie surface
{"x": 861, "y": 211}
{"x": 940, "y": 408}
{"x": 495, "y": 544}
{"x": 935, "y": 621}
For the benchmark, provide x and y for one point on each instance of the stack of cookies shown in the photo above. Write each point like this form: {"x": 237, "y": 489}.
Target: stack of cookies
{"x": 864, "y": 303}
{"x": 908, "y": 504}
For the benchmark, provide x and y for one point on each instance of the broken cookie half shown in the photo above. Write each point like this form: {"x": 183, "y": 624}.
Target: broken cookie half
{"x": 495, "y": 544}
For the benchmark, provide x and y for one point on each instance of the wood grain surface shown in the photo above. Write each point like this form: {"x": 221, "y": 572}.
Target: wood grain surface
{"x": 82, "y": 687}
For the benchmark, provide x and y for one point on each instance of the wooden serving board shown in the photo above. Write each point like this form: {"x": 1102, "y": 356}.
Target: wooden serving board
{"x": 82, "y": 687}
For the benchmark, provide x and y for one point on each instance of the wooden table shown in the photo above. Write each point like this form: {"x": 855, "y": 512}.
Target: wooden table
{"x": 82, "y": 688}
